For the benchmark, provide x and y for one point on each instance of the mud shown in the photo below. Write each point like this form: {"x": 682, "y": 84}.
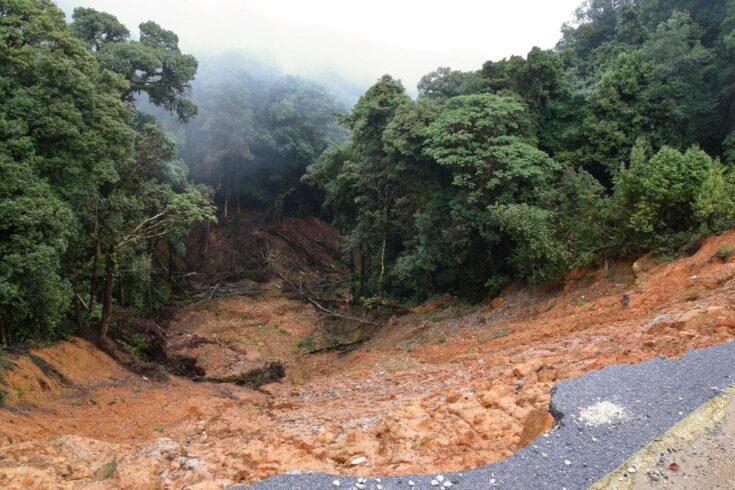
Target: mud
{"x": 444, "y": 388}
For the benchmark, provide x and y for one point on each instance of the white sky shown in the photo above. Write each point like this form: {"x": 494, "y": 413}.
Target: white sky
{"x": 359, "y": 40}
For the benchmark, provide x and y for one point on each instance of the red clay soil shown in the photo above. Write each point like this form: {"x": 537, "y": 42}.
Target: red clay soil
{"x": 443, "y": 388}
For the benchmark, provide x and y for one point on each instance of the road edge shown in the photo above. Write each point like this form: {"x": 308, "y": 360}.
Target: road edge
{"x": 704, "y": 419}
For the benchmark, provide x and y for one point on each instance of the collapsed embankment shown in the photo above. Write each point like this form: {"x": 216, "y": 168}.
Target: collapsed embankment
{"x": 446, "y": 387}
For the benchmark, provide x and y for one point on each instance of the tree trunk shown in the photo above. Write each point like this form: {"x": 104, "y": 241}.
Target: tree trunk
{"x": 122, "y": 291}
{"x": 227, "y": 199}
{"x": 93, "y": 279}
{"x": 170, "y": 261}
{"x": 4, "y": 339}
{"x": 107, "y": 297}
{"x": 381, "y": 282}
{"x": 382, "y": 263}
{"x": 77, "y": 306}
{"x": 433, "y": 286}
{"x": 206, "y": 238}
{"x": 362, "y": 273}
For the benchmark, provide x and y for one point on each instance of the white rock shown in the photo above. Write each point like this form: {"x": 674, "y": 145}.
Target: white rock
{"x": 632, "y": 469}
{"x": 360, "y": 486}
{"x": 357, "y": 461}
{"x": 447, "y": 484}
{"x": 411, "y": 483}
{"x": 567, "y": 462}
{"x": 434, "y": 483}
{"x": 440, "y": 478}
{"x": 336, "y": 483}
{"x": 379, "y": 487}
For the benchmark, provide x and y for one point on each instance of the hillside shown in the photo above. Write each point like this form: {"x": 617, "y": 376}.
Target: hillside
{"x": 75, "y": 418}
{"x": 226, "y": 263}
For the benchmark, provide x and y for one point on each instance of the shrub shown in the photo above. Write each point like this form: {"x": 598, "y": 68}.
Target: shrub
{"x": 306, "y": 343}
{"x": 714, "y": 205}
{"x": 724, "y": 253}
{"x": 655, "y": 199}
{"x": 109, "y": 468}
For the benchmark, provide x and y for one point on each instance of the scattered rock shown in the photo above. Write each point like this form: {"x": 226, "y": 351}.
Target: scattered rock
{"x": 537, "y": 422}
{"x": 358, "y": 461}
{"x": 528, "y": 368}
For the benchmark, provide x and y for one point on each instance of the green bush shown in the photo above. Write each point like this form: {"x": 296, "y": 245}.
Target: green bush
{"x": 723, "y": 253}
{"x": 109, "y": 468}
{"x": 306, "y": 343}
{"x": 656, "y": 199}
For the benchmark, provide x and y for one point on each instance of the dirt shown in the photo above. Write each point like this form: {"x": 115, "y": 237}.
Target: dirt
{"x": 446, "y": 387}
{"x": 706, "y": 462}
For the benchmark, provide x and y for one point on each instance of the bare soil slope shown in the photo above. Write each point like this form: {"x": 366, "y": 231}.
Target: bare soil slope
{"x": 442, "y": 388}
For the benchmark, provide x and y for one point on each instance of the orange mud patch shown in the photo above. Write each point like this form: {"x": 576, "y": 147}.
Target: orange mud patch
{"x": 243, "y": 333}
{"x": 444, "y": 389}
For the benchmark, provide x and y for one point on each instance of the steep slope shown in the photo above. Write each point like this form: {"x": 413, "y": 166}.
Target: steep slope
{"x": 446, "y": 387}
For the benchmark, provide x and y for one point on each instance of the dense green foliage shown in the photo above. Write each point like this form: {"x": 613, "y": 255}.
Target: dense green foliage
{"x": 256, "y": 132}
{"x": 85, "y": 191}
{"x": 153, "y": 64}
{"x": 619, "y": 140}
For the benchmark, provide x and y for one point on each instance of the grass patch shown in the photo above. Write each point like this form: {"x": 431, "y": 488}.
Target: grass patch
{"x": 306, "y": 343}
{"x": 723, "y": 253}
{"x": 4, "y": 362}
{"x": 4, "y": 365}
{"x": 109, "y": 468}
{"x": 331, "y": 341}
{"x": 159, "y": 429}
{"x": 139, "y": 347}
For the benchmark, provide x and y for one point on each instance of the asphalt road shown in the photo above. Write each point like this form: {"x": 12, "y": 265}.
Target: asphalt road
{"x": 647, "y": 398}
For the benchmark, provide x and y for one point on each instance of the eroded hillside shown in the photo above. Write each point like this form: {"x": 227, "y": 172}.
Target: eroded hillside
{"x": 444, "y": 387}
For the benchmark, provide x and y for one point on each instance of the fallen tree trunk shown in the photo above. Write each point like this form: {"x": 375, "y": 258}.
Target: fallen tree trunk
{"x": 311, "y": 299}
{"x": 270, "y": 373}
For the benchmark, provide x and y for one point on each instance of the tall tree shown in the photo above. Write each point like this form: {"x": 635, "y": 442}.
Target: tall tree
{"x": 153, "y": 65}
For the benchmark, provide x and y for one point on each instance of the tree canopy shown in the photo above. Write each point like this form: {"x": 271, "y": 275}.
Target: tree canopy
{"x": 619, "y": 140}
{"x": 83, "y": 186}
